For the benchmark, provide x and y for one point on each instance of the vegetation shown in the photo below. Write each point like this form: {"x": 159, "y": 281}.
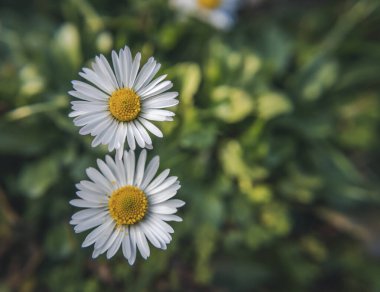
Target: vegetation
{"x": 275, "y": 141}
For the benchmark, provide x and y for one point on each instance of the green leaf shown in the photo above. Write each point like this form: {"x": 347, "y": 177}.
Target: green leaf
{"x": 273, "y": 104}
{"x": 275, "y": 48}
{"x": 199, "y": 137}
{"x": 24, "y": 139}
{"x": 189, "y": 75}
{"x": 232, "y": 104}
{"x": 231, "y": 158}
{"x": 36, "y": 178}
{"x": 321, "y": 78}
{"x": 66, "y": 46}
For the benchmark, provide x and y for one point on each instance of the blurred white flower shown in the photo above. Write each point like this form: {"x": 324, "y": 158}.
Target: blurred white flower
{"x": 126, "y": 206}
{"x": 121, "y": 102}
{"x": 219, "y": 13}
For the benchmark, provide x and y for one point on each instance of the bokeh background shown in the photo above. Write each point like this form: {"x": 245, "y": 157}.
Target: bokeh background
{"x": 275, "y": 142}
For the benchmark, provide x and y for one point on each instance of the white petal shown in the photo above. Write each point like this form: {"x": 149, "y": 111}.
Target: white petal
{"x": 76, "y": 114}
{"x": 90, "y": 186}
{"x": 116, "y": 244}
{"x": 149, "y": 146}
{"x": 175, "y": 203}
{"x": 149, "y": 234}
{"x": 90, "y": 118}
{"x": 149, "y": 87}
{"x": 145, "y": 73}
{"x": 148, "y": 115}
{"x": 91, "y": 126}
{"x": 112, "y": 249}
{"x": 126, "y": 58}
{"x": 103, "y": 69}
{"x": 130, "y": 137}
{"x": 122, "y": 138}
{"x": 167, "y": 183}
{"x": 134, "y": 70}
{"x": 100, "y": 132}
{"x": 162, "y": 209}
{"x": 84, "y": 104}
{"x": 92, "y": 197}
{"x": 105, "y": 170}
{"x": 140, "y": 168}
{"x": 144, "y": 134}
{"x": 119, "y": 153}
{"x": 97, "y": 79}
{"x": 88, "y": 107}
{"x": 86, "y": 213}
{"x": 108, "y": 243}
{"x": 95, "y": 253}
{"x": 89, "y": 90}
{"x": 102, "y": 126}
{"x": 136, "y": 133}
{"x": 104, "y": 237}
{"x": 110, "y": 133}
{"x": 91, "y": 222}
{"x": 158, "y": 180}
{"x": 94, "y": 235}
{"x": 86, "y": 129}
{"x": 160, "y": 88}
{"x": 111, "y": 165}
{"x": 132, "y": 237}
{"x": 150, "y": 172}
{"x": 163, "y": 225}
{"x": 142, "y": 243}
{"x": 126, "y": 245}
{"x": 160, "y": 112}
{"x": 165, "y": 96}
{"x": 129, "y": 165}
{"x": 150, "y": 78}
{"x": 151, "y": 128}
{"x": 109, "y": 71}
{"x": 168, "y": 217}
{"x": 98, "y": 178}
{"x": 165, "y": 194}
{"x": 161, "y": 236}
{"x": 117, "y": 69}
{"x": 159, "y": 230}
{"x": 86, "y": 204}
{"x": 117, "y": 169}
{"x": 93, "y": 95}
{"x": 160, "y": 103}
{"x": 117, "y": 138}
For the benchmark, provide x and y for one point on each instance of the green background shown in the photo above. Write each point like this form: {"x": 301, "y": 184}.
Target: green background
{"x": 275, "y": 142}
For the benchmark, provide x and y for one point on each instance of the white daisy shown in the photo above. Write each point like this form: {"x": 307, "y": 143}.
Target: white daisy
{"x": 121, "y": 102}
{"x": 219, "y": 13}
{"x": 126, "y": 206}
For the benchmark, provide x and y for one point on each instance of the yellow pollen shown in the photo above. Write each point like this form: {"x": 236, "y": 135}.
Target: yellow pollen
{"x": 209, "y": 4}
{"x": 124, "y": 105}
{"x": 128, "y": 205}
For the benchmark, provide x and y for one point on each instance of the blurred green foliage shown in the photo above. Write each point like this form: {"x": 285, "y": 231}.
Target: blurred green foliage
{"x": 275, "y": 143}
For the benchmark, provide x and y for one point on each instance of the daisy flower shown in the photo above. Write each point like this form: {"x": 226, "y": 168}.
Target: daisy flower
{"x": 127, "y": 206}
{"x": 219, "y": 13}
{"x": 119, "y": 104}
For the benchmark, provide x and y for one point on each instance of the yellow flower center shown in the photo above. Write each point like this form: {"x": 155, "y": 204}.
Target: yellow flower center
{"x": 209, "y": 4}
{"x": 124, "y": 105}
{"x": 128, "y": 205}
